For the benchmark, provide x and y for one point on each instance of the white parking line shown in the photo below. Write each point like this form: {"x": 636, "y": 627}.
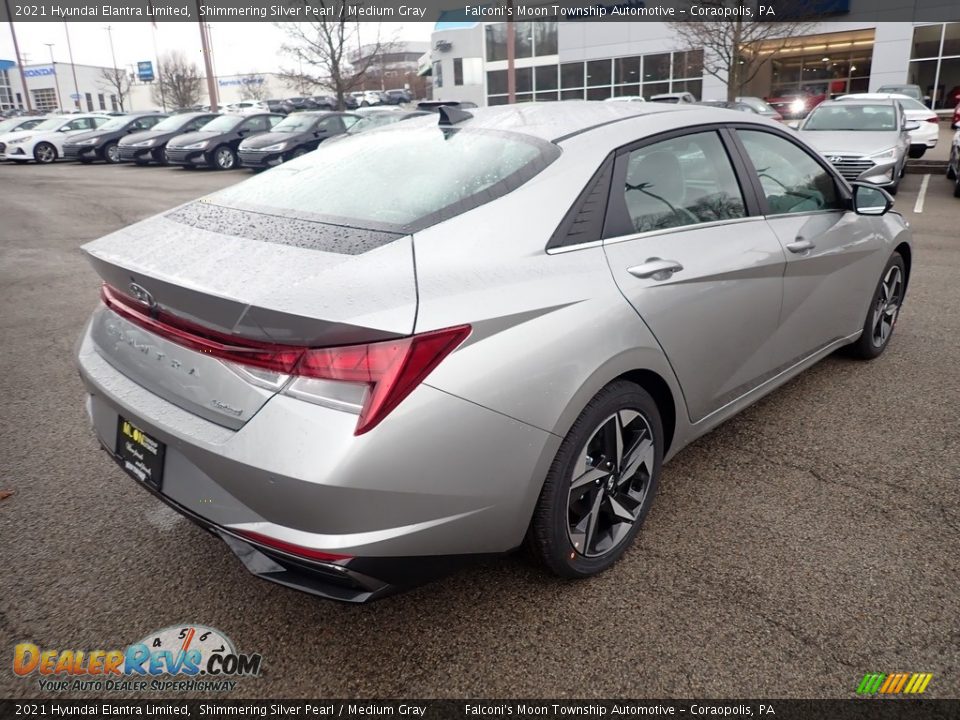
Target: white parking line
{"x": 918, "y": 206}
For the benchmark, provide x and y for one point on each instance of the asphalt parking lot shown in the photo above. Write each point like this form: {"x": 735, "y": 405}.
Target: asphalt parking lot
{"x": 808, "y": 541}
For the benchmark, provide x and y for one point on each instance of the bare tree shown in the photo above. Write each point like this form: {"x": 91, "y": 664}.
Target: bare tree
{"x": 731, "y": 46}
{"x": 179, "y": 81}
{"x": 253, "y": 87}
{"x": 117, "y": 82}
{"x": 324, "y": 52}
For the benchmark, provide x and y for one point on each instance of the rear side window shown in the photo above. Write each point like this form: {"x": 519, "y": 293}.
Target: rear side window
{"x": 399, "y": 179}
{"x": 682, "y": 181}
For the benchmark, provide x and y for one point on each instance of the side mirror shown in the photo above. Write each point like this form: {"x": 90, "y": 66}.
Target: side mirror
{"x": 911, "y": 125}
{"x": 870, "y": 200}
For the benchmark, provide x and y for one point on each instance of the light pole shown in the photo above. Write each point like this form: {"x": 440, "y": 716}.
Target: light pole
{"x": 208, "y": 65}
{"x": 56, "y": 78}
{"x": 116, "y": 71}
{"x": 16, "y": 50}
{"x": 73, "y": 68}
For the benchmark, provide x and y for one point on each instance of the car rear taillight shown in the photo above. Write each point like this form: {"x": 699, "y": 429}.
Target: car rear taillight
{"x": 389, "y": 371}
{"x": 290, "y": 548}
{"x": 370, "y": 379}
{"x": 935, "y": 120}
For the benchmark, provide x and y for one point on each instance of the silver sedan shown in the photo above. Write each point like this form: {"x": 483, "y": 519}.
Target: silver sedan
{"x": 475, "y": 330}
{"x": 866, "y": 139}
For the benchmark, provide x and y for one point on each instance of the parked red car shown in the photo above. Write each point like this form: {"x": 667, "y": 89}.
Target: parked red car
{"x": 956, "y": 117}
{"x": 794, "y": 104}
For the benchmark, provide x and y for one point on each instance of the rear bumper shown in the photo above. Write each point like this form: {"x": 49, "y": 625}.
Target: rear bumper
{"x": 440, "y": 477}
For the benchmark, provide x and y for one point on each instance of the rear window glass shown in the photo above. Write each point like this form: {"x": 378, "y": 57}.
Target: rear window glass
{"x": 400, "y": 179}
{"x": 852, "y": 117}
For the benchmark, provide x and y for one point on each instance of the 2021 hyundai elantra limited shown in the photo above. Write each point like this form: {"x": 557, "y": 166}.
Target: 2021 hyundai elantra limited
{"x": 473, "y": 330}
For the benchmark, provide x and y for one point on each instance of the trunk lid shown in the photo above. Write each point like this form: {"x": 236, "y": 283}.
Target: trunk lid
{"x": 251, "y": 276}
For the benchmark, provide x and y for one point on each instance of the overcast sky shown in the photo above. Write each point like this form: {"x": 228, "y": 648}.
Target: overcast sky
{"x": 239, "y": 47}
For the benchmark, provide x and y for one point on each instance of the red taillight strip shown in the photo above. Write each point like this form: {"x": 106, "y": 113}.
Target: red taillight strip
{"x": 269, "y": 356}
{"x": 290, "y": 548}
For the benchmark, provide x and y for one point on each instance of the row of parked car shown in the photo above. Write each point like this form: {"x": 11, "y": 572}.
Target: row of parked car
{"x": 194, "y": 139}
{"x": 351, "y": 101}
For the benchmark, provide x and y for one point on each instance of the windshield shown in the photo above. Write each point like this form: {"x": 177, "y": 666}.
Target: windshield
{"x": 398, "y": 179}
{"x": 174, "y": 122}
{"x": 295, "y": 123}
{"x": 911, "y": 104}
{"x": 50, "y": 123}
{"x": 222, "y": 123}
{"x": 11, "y": 123}
{"x": 900, "y": 90}
{"x": 114, "y": 123}
{"x": 852, "y": 117}
{"x": 374, "y": 121}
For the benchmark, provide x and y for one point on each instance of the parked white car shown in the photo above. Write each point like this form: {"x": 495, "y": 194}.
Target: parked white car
{"x": 246, "y": 107}
{"x": 44, "y": 142}
{"x": 677, "y": 98}
{"x": 367, "y": 97}
{"x": 12, "y": 125}
{"x": 926, "y": 135}
{"x": 626, "y": 98}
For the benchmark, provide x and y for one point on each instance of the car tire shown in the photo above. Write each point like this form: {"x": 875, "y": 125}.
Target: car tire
{"x": 224, "y": 158}
{"x": 44, "y": 153}
{"x": 111, "y": 153}
{"x": 951, "y": 173}
{"x": 956, "y": 186}
{"x": 298, "y": 153}
{"x": 883, "y": 311}
{"x": 589, "y": 510}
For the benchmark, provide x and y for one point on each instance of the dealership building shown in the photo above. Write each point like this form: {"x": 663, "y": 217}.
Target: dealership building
{"x": 596, "y": 60}
{"x": 53, "y": 86}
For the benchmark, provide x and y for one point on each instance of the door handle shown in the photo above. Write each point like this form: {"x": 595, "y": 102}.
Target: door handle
{"x": 655, "y": 268}
{"x": 801, "y": 245}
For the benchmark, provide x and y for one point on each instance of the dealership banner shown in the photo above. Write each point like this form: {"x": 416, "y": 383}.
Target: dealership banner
{"x": 489, "y": 709}
{"x": 454, "y": 11}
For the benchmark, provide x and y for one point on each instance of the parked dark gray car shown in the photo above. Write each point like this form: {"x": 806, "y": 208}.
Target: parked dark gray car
{"x": 216, "y": 143}
{"x": 295, "y": 135}
{"x": 103, "y": 143}
{"x": 150, "y": 145}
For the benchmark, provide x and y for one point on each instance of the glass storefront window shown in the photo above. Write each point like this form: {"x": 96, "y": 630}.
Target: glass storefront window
{"x": 949, "y": 84}
{"x": 497, "y": 82}
{"x": 656, "y": 67}
{"x": 694, "y": 87}
{"x": 546, "y": 96}
{"x": 545, "y": 38}
{"x": 951, "y": 39}
{"x": 688, "y": 64}
{"x": 571, "y": 94}
{"x": 598, "y": 93}
{"x": 571, "y": 75}
{"x": 926, "y": 41}
{"x": 598, "y": 72}
{"x": 524, "y": 39}
{"x": 655, "y": 89}
{"x": 524, "y": 80}
{"x": 497, "y": 41}
{"x": 626, "y": 70}
{"x": 546, "y": 77}
{"x": 626, "y": 90}
{"x": 924, "y": 74}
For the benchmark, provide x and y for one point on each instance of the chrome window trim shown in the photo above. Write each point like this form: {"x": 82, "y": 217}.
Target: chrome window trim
{"x": 657, "y": 233}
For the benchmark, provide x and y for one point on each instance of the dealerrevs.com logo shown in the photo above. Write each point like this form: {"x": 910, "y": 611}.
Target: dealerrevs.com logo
{"x": 188, "y": 658}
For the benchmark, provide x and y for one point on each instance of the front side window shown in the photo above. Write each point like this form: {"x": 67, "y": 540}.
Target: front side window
{"x": 417, "y": 176}
{"x": 792, "y": 181}
{"x": 682, "y": 181}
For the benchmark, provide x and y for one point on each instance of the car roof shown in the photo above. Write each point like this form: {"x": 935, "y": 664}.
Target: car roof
{"x": 558, "y": 120}
{"x": 860, "y": 101}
